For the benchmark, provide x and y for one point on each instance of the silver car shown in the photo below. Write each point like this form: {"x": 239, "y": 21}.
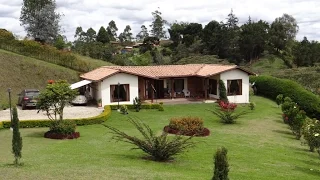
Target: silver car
{"x": 80, "y": 100}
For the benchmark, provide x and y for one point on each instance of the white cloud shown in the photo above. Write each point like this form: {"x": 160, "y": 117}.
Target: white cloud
{"x": 96, "y": 13}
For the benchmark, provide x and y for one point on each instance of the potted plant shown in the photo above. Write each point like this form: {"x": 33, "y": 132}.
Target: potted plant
{"x": 99, "y": 102}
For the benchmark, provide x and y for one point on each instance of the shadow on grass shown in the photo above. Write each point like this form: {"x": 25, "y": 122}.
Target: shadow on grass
{"x": 283, "y": 132}
{"x": 311, "y": 171}
{"x": 39, "y": 134}
{"x": 311, "y": 163}
{"x": 278, "y": 121}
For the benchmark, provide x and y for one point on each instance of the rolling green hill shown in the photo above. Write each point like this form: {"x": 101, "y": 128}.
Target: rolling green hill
{"x": 20, "y": 72}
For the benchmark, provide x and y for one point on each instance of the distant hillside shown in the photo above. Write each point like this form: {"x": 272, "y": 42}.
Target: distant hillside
{"x": 20, "y": 72}
{"x": 202, "y": 59}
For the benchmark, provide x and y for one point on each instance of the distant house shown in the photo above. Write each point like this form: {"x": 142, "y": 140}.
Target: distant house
{"x": 123, "y": 83}
{"x": 126, "y": 49}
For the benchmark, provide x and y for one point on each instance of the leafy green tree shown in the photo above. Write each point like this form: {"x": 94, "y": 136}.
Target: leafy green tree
{"x": 54, "y": 98}
{"x": 230, "y": 46}
{"x": 212, "y": 37}
{"x": 253, "y": 39}
{"x": 282, "y": 32}
{"x": 90, "y": 35}
{"x": 126, "y": 36}
{"x": 103, "y": 36}
{"x": 16, "y": 137}
{"x": 142, "y": 34}
{"x": 40, "y": 19}
{"x": 157, "y": 25}
{"x": 112, "y": 30}
{"x": 221, "y": 166}
{"x": 60, "y": 42}
{"x": 79, "y": 42}
{"x": 176, "y": 32}
{"x": 144, "y": 59}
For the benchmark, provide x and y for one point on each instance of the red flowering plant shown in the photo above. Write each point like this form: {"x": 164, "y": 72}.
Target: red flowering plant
{"x": 50, "y": 81}
{"x": 227, "y": 112}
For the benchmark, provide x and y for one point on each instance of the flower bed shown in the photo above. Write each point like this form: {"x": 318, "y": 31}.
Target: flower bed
{"x": 205, "y": 132}
{"x": 54, "y": 135}
{"x": 188, "y": 126}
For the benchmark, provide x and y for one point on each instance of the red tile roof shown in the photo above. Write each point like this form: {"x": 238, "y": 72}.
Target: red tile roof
{"x": 163, "y": 71}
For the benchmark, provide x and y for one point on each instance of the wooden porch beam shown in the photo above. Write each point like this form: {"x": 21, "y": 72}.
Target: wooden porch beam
{"x": 172, "y": 88}
{"x": 206, "y": 88}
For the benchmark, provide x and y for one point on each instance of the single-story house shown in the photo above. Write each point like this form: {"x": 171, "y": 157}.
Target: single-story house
{"x": 113, "y": 84}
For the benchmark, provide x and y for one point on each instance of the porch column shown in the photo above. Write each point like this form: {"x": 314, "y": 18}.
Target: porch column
{"x": 172, "y": 88}
{"x": 206, "y": 88}
{"x": 152, "y": 90}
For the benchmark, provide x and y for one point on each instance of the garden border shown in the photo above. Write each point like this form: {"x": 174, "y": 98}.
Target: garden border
{"x": 46, "y": 123}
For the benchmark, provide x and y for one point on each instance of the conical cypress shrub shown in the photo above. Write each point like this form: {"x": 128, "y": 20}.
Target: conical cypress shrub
{"x": 221, "y": 166}
{"x": 16, "y": 137}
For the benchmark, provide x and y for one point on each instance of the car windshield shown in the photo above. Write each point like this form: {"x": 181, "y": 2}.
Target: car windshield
{"x": 32, "y": 93}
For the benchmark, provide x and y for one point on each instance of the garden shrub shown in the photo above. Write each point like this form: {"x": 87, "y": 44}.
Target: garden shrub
{"x": 160, "y": 148}
{"x": 279, "y": 99}
{"x": 221, "y": 165}
{"x": 143, "y": 106}
{"x": 137, "y": 104}
{"x": 252, "y": 105}
{"x": 223, "y": 91}
{"x": 123, "y": 109}
{"x": 311, "y": 133}
{"x": 187, "y": 124}
{"x": 226, "y": 112}
{"x": 293, "y": 116}
{"x": 161, "y": 107}
{"x": 64, "y": 127}
{"x": 79, "y": 122}
{"x": 271, "y": 87}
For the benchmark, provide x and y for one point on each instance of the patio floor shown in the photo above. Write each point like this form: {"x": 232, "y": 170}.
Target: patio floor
{"x": 182, "y": 101}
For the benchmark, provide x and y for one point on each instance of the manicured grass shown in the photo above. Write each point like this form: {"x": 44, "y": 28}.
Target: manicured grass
{"x": 20, "y": 72}
{"x": 260, "y": 147}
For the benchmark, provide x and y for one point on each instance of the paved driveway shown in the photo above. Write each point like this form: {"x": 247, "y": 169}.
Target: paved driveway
{"x": 70, "y": 112}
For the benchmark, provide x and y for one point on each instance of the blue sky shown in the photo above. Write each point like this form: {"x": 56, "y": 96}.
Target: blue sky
{"x": 97, "y": 13}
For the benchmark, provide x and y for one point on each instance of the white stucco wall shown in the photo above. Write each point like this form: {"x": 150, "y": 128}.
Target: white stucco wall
{"x": 233, "y": 75}
{"x": 122, "y": 78}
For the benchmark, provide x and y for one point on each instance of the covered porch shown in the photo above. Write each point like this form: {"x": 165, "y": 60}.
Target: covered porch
{"x": 190, "y": 88}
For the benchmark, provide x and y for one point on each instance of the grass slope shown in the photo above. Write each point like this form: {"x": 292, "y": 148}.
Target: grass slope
{"x": 267, "y": 66}
{"x": 94, "y": 63}
{"x": 259, "y": 146}
{"x": 20, "y": 72}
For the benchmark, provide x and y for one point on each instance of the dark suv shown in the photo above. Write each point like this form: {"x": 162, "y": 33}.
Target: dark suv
{"x": 28, "y": 98}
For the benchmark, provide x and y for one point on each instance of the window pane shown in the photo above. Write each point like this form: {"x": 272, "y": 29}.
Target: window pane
{"x": 234, "y": 87}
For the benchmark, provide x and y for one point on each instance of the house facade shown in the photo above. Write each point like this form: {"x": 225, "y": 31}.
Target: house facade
{"x": 121, "y": 84}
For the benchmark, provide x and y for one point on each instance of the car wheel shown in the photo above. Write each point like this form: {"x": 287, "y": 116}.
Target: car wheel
{"x": 23, "y": 107}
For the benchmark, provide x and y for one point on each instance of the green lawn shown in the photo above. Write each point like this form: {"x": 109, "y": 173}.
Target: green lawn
{"x": 260, "y": 147}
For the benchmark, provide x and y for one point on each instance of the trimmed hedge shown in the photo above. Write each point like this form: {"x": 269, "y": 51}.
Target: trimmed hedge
{"x": 80, "y": 122}
{"x": 143, "y": 106}
{"x": 271, "y": 87}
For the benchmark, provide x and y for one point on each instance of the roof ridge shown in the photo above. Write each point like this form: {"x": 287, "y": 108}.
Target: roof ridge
{"x": 203, "y": 65}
